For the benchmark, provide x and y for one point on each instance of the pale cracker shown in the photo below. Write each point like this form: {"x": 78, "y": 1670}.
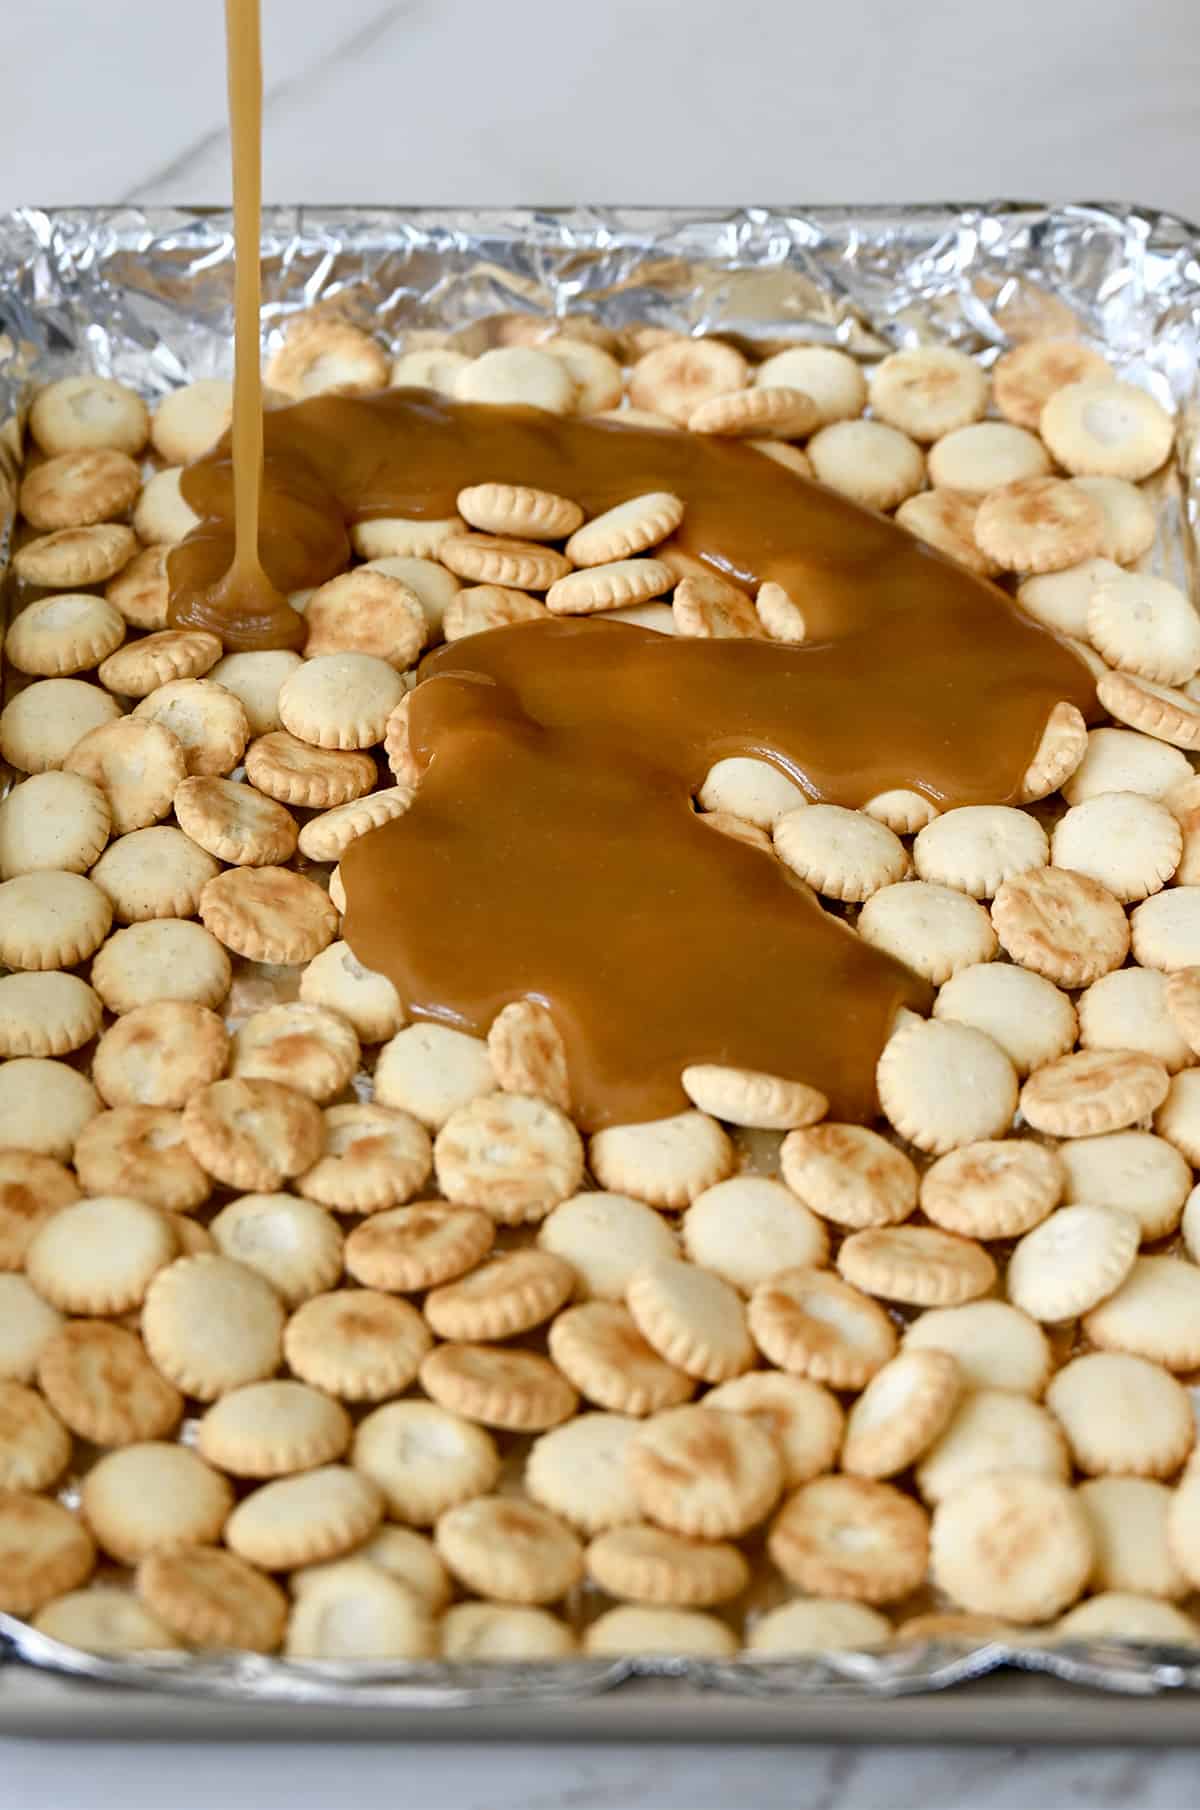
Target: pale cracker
{"x": 816, "y": 1325}
{"x": 993, "y": 1189}
{"x": 630, "y": 528}
{"x": 98, "y": 1379}
{"x": 27, "y": 1324}
{"x": 1145, "y": 625}
{"x": 211, "y": 1598}
{"x": 1061, "y": 924}
{"x": 270, "y": 1429}
{"x": 977, "y": 847}
{"x": 304, "y": 1519}
{"x": 252, "y": 1134}
{"x": 1094, "y": 1091}
{"x": 520, "y": 1391}
{"x": 153, "y": 873}
{"x": 943, "y": 1084}
{"x": 210, "y": 1324}
{"x": 984, "y": 455}
{"x": 1121, "y": 760}
{"x": 1154, "y": 1314}
{"x": 1129, "y": 844}
{"x": 902, "y": 1411}
{"x": 164, "y": 958}
{"x": 1126, "y": 1616}
{"x": 664, "y": 1161}
{"x": 234, "y": 822}
{"x": 1122, "y": 1415}
{"x": 692, "y": 1318}
{"x": 598, "y": 1346}
{"x": 1159, "y": 710}
{"x": 674, "y": 379}
{"x": 849, "y": 1174}
{"x": 44, "y": 1105}
{"x": 42, "y": 723}
{"x": 1134, "y": 1170}
{"x": 320, "y": 352}
{"x": 1060, "y": 600}
{"x": 704, "y": 1473}
{"x": 337, "y": 980}
{"x": 52, "y": 820}
{"x": 929, "y": 391}
{"x": 31, "y": 1189}
{"x": 1178, "y": 1118}
{"x": 510, "y": 1294}
{"x": 1073, "y": 1260}
{"x": 517, "y": 374}
{"x": 804, "y": 1420}
{"x": 867, "y": 461}
{"x": 290, "y": 770}
{"x": 1127, "y": 1010}
{"x": 364, "y": 611}
{"x": 44, "y": 1551}
{"x": 293, "y": 1244}
{"x": 189, "y": 421}
{"x": 152, "y": 1497}
{"x": 432, "y": 1071}
{"x": 747, "y": 1229}
{"x": 997, "y": 1346}
{"x": 1129, "y": 521}
{"x": 483, "y": 1632}
{"x": 99, "y": 1256}
{"x": 1105, "y": 429}
{"x": 842, "y": 854}
{"x": 85, "y": 411}
{"x": 934, "y": 930}
{"x": 35, "y": 1446}
{"x": 51, "y": 920}
{"x": 139, "y": 1151}
{"x": 302, "y": 1046}
{"x": 46, "y": 1014}
{"x": 651, "y": 1565}
{"x": 1025, "y": 378}
{"x": 851, "y": 1537}
{"x": 356, "y": 1343}
{"x": 374, "y": 1158}
{"x": 1128, "y": 1518}
{"x": 991, "y": 1430}
{"x": 1166, "y": 929}
{"x": 1058, "y": 755}
{"x": 511, "y": 1154}
{"x": 919, "y": 1265}
{"x": 1039, "y": 525}
{"x": 207, "y": 721}
{"x": 945, "y": 519}
{"x": 605, "y": 1238}
{"x": 631, "y": 1629}
{"x": 140, "y": 590}
{"x": 424, "y": 1459}
{"x": 746, "y": 1097}
{"x": 615, "y": 585}
{"x": 72, "y": 557}
{"x": 268, "y": 914}
{"x": 418, "y": 1246}
{"x": 137, "y": 765}
{"x": 510, "y": 1550}
{"x": 818, "y": 1625}
{"x": 103, "y": 1619}
{"x": 831, "y": 377}
{"x": 713, "y": 609}
{"x": 353, "y": 1610}
{"x": 1017, "y": 1545}
{"x": 67, "y": 633}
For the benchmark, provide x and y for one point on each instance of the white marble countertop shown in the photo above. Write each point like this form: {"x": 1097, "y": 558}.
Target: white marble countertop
{"x": 471, "y": 102}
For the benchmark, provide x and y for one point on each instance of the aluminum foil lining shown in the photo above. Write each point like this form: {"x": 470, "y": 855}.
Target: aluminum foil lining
{"x": 146, "y": 296}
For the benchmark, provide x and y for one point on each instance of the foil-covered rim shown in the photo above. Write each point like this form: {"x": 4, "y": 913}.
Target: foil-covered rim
{"x": 144, "y": 294}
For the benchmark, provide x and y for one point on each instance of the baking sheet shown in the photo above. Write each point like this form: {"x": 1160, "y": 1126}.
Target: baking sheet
{"x": 145, "y": 296}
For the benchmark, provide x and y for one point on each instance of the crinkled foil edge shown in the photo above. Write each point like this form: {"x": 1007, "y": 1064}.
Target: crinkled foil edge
{"x": 144, "y": 296}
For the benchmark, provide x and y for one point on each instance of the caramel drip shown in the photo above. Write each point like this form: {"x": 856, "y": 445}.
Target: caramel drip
{"x": 227, "y": 581}
{"x": 552, "y": 851}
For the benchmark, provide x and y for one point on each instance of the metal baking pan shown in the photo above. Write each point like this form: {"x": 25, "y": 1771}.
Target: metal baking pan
{"x": 146, "y": 296}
